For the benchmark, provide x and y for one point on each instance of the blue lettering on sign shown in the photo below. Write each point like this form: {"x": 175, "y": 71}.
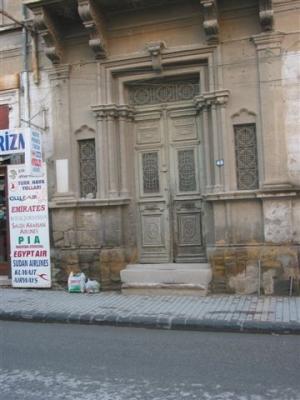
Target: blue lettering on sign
{"x": 12, "y": 142}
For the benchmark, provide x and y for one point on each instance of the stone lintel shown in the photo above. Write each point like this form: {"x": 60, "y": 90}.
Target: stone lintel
{"x": 46, "y": 27}
{"x": 211, "y": 23}
{"x": 266, "y": 15}
{"x": 93, "y": 21}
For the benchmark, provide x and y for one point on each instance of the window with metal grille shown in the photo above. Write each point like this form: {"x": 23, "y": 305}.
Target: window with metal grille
{"x": 87, "y": 163}
{"x": 246, "y": 156}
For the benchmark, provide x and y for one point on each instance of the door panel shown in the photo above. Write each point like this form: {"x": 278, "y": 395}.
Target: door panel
{"x": 168, "y": 181}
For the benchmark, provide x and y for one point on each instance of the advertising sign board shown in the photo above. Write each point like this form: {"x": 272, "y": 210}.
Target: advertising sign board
{"x": 23, "y": 141}
{"x": 29, "y": 228}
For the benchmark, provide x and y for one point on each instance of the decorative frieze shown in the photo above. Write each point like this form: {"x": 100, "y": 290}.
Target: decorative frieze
{"x": 155, "y": 93}
{"x": 93, "y": 21}
{"x": 210, "y": 23}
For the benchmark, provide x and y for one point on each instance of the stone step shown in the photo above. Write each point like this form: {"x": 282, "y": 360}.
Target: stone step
{"x": 166, "y": 278}
{"x": 4, "y": 280}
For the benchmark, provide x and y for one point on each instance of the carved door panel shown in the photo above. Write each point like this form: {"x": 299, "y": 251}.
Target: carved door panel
{"x": 184, "y": 148}
{"x": 168, "y": 181}
{"x": 153, "y": 198}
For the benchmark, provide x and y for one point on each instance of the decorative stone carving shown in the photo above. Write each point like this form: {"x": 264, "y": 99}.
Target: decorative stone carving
{"x": 154, "y": 49}
{"x": 211, "y": 24}
{"x": 45, "y": 25}
{"x": 266, "y": 15}
{"x": 112, "y": 111}
{"x": 94, "y": 22}
{"x": 155, "y": 93}
{"x": 206, "y": 100}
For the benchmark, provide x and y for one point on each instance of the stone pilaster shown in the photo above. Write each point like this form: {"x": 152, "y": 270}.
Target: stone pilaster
{"x": 274, "y": 152}
{"x": 113, "y": 139}
{"x": 101, "y": 148}
{"x": 212, "y": 106}
{"x": 113, "y": 152}
{"x": 61, "y": 128}
{"x": 125, "y": 114}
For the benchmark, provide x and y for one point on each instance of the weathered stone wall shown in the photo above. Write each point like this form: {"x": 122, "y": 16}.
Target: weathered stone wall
{"x": 264, "y": 231}
{"x": 91, "y": 240}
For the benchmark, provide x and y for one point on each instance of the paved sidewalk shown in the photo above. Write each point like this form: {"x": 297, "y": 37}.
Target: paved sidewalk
{"x": 213, "y": 313}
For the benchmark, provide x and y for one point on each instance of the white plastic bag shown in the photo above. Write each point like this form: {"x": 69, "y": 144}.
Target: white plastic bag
{"x": 76, "y": 283}
{"x": 92, "y": 286}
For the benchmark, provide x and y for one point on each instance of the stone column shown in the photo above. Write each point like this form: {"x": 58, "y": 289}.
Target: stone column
{"x": 113, "y": 152}
{"x": 124, "y": 115}
{"x": 203, "y": 109}
{"x": 217, "y": 175}
{"x": 101, "y": 151}
{"x": 272, "y": 141}
{"x": 61, "y": 129}
{"x": 221, "y": 102}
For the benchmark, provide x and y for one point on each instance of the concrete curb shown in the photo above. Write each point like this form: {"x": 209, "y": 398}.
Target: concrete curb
{"x": 155, "y": 322}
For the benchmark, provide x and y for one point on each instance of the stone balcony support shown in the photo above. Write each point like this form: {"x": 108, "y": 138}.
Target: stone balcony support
{"x": 49, "y": 31}
{"x": 211, "y": 23}
{"x": 93, "y": 21}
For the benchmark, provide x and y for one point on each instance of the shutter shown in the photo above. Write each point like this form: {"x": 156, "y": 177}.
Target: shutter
{"x": 4, "y": 121}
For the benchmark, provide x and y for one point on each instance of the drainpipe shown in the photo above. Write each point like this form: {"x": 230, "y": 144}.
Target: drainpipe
{"x": 25, "y": 73}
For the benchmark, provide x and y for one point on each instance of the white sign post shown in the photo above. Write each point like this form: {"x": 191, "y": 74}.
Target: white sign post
{"x": 29, "y": 227}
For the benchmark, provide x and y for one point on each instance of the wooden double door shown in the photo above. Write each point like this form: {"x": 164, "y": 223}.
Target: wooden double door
{"x": 168, "y": 181}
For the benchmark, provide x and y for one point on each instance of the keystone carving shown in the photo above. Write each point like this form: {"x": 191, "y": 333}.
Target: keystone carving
{"x": 46, "y": 27}
{"x": 266, "y": 15}
{"x": 94, "y": 23}
{"x": 154, "y": 49}
{"x": 211, "y": 24}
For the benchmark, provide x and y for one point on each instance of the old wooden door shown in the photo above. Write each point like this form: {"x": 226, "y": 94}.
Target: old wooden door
{"x": 168, "y": 176}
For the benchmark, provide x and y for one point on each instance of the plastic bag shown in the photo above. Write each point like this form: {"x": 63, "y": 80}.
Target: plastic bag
{"x": 76, "y": 283}
{"x": 92, "y": 286}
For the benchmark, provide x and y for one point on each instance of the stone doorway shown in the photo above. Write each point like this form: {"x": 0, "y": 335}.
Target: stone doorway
{"x": 168, "y": 165}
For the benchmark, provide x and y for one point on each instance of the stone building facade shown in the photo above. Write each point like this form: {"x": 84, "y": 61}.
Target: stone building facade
{"x": 171, "y": 136}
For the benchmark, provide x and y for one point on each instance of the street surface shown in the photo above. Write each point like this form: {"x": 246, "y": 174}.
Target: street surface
{"x": 52, "y": 361}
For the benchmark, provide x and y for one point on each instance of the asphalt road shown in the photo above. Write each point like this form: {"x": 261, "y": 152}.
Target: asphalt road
{"x": 50, "y": 361}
